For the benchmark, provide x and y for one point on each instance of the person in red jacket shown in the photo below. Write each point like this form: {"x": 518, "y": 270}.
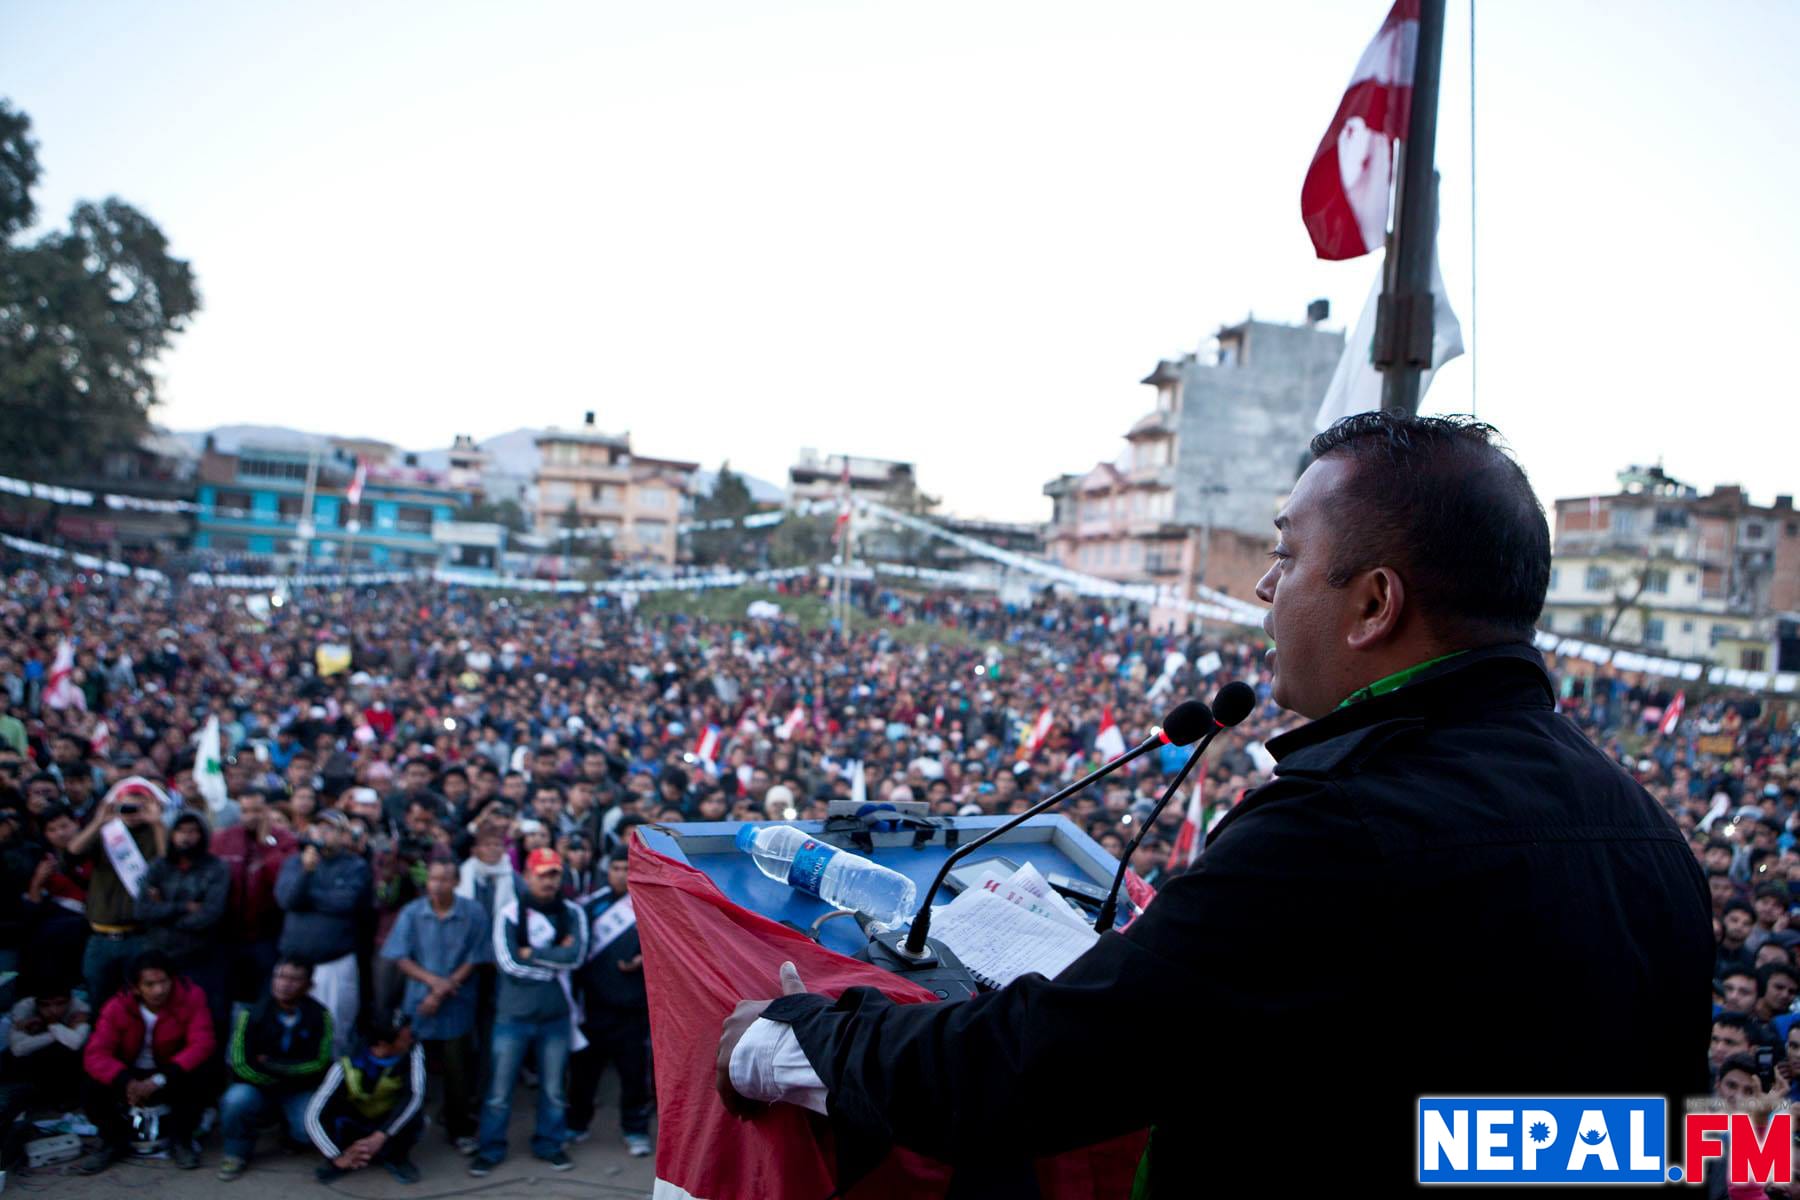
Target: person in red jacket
{"x": 146, "y": 1052}
{"x": 254, "y": 850}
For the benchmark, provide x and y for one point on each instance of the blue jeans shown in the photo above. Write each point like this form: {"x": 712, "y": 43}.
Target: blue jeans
{"x": 245, "y": 1106}
{"x": 103, "y": 966}
{"x": 511, "y": 1041}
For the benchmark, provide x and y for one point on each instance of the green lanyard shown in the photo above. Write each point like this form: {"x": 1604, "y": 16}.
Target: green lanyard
{"x": 1394, "y": 682}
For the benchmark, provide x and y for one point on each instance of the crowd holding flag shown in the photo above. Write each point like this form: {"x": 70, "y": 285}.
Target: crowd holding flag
{"x": 62, "y": 692}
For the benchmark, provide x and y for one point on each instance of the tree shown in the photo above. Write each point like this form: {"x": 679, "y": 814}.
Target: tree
{"x": 84, "y": 314}
{"x": 501, "y": 512}
{"x": 913, "y": 547}
{"x": 802, "y": 541}
{"x": 730, "y": 501}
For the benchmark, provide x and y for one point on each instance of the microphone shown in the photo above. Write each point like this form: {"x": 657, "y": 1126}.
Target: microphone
{"x": 1230, "y": 705}
{"x": 1183, "y": 724}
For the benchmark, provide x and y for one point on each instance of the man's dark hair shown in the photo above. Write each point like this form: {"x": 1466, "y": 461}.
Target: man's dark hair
{"x": 1768, "y": 971}
{"x": 1734, "y": 1020}
{"x": 288, "y": 960}
{"x": 1732, "y": 906}
{"x": 384, "y": 1028}
{"x": 150, "y": 960}
{"x": 1715, "y": 842}
{"x": 1747, "y": 972}
{"x": 1740, "y": 1062}
{"x": 1437, "y": 499}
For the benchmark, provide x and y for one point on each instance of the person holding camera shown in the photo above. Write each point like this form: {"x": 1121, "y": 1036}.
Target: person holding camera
{"x": 325, "y": 891}
{"x": 124, "y": 836}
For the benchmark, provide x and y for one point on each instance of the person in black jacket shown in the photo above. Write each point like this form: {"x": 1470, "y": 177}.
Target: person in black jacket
{"x": 1471, "y": 841}
{"x": 617, "y": 1014}
{"x": 181, "y": 905}
{"x": 277, "y": 1055}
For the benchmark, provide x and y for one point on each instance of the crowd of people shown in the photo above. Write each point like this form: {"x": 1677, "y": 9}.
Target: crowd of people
{"x": 405, "y": 871}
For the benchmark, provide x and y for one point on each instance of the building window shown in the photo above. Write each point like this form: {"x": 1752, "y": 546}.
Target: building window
{"x": 1720, "y": 632}
{"x": 289, "y": 508}
{"x": 1656, "y": 581}
{"x": 1593, "y": 624}
{"x": 651, "y": 531}
{"x": 653, "y": 498}
{"x": 231, "y": 504}
{"x": 1753, "y": 531}
{"x": 1653, "y": 631}
{"x": 362, "y": 514}
{"x": 1751, "y": 659}
{"x": 1687, "y": 627}
{"x": 1690, "y": 577}
{"x": 1598, "y": 579}
{"x": 1553, "y": 578}
{"x": 413, "y": 518}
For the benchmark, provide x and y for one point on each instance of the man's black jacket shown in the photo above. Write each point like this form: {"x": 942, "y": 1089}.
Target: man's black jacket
{"x": 1445, "y": 889}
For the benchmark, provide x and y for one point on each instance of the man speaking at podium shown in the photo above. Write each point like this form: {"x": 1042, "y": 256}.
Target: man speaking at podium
{"x": 1446, "y": 889}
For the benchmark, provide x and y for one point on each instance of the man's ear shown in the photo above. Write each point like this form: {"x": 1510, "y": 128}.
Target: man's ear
{"x": 1380, "y": 600}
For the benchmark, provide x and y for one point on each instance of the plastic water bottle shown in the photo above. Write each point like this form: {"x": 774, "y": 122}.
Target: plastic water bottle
{"x": 837, "y": 877}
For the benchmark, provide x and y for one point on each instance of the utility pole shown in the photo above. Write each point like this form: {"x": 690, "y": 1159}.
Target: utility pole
{"x": 1403, "y": 321}
{"x": 304, "y": 527}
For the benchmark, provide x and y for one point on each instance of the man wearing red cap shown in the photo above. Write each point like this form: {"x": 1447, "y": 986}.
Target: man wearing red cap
{"x": 539, "y": 938}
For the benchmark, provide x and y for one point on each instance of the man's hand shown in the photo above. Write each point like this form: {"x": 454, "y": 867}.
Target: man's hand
{"x": 138, "y": 1092}
{"x": 634, "y": 964}
{"x": 345, "y": 1162}
{"x": 740, "y": 1020}
{"x": 309, "y": 858}
{"x": 428, "y": 1007}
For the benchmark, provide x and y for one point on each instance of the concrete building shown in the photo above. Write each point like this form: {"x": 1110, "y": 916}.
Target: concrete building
{"x": 592, "y": 482}
{"x": 1660, "y": 566}
{"x": 820, "y": 477}
{"x": 253, "y": 505}
{"x": 1194, "y": 496}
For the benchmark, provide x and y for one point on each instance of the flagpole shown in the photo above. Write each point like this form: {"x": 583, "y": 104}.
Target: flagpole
{"x": 1403, "y": 323}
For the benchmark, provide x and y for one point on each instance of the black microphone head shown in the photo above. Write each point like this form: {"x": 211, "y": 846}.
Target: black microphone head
{"x": 1233, "y": 702}
{"x": 1187, "y": 721}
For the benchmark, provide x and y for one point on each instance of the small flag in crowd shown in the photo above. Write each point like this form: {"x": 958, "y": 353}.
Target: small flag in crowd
{"x": 62, "y": 692}
{"x": 706, "y": 748}
{"x": 99, "y": 737}
{"x": 792, "y": 723}
{"x": 1192, "y": 837}
{"x": 1109, "y": 743}
{"x": 1672, "y": 717}
{"x": 1040, "y": 732}
{"x": 209, "y": 766}
{"x": 1344, "y": 200}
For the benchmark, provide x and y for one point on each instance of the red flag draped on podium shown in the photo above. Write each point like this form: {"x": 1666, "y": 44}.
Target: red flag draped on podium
{"x": 1344, "y": 200}
{"x": 702, "y": 954}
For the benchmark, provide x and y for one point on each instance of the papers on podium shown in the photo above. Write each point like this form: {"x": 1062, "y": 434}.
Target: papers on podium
{"x": 1009, "y": 926}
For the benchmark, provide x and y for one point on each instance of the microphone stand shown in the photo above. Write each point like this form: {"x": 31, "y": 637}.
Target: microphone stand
{"x": 1110, "y": 910}
{"x": 914, "y": 948}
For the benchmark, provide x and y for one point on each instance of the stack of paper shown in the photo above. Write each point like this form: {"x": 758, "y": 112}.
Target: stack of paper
{"x": 1008, "y": 926}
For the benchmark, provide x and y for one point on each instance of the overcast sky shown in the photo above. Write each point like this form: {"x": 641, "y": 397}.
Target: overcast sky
{"x": 955, "y": 233}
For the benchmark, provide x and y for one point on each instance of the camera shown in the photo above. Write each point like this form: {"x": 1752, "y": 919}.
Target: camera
{"x": 129, "y": 808}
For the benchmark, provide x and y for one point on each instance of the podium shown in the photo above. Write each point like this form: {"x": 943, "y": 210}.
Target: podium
{"x": 1054, "y": 845}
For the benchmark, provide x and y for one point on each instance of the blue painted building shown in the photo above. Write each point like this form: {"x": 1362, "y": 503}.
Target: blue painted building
{"x": 252, "y": 504}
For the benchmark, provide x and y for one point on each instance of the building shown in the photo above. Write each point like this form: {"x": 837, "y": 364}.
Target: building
{"x": 253, "y": 504}
{"x": 821, "y": 477}
{"x": 134, "y": 503}
{"x": 1194, "y": 496}
{"x": 591, "y": 483}
{"x": 1660, "y": 566}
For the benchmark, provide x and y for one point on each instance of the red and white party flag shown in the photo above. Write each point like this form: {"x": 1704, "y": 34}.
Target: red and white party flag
{"x": 1192, "y": 837}
{"x": 792, "y": 722}
{"x": 1345, "y": 199}
{"x": 1672, "y": 716}
{"x": 1040, "y": 732}
{"x": 1109, "y": 743}
{"x": 62, "y": 692}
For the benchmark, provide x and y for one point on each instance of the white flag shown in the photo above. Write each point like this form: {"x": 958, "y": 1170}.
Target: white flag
{"x": 62, "y": 692}
{"x": 1356, "y": 384}
{"x": 209, "y": 766}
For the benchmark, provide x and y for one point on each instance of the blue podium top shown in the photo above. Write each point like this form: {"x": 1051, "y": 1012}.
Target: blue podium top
{"x": 1054, "y": 845}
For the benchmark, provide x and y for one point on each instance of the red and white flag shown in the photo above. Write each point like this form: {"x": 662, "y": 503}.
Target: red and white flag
{"x": 1192, "y": 837}
{"x": 62, "y": 692}
{"x": 793, "y": 722}
{"x": 1109, "y": 743}
{"x": 99, "y": 737}
{"x": 1672, "y": 715}
{"x": 353, "y": 494}
{"x": 1040, "y": 732}
{"x": 1345, "y": 198}
{"x": 843, "y": 518}
{"x": 706, "y": 748}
